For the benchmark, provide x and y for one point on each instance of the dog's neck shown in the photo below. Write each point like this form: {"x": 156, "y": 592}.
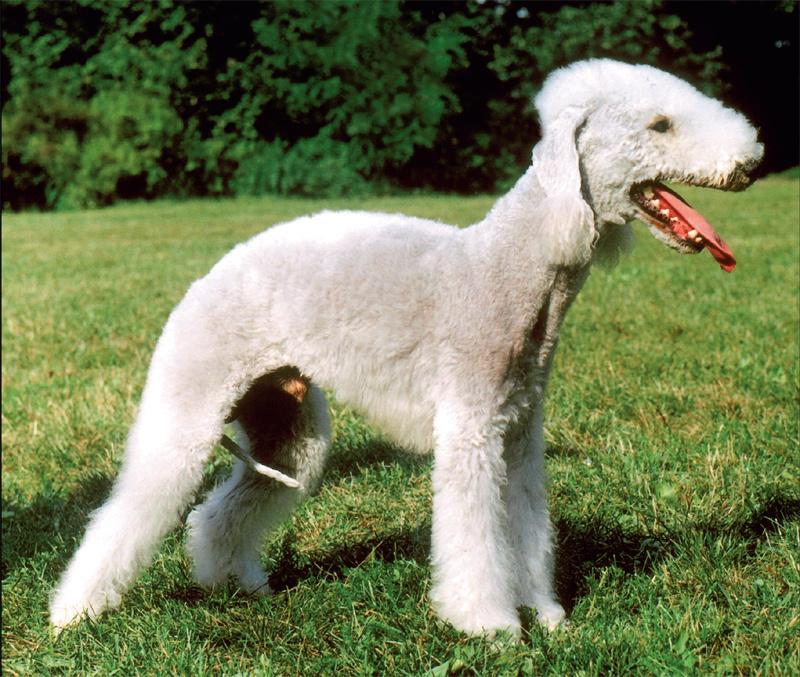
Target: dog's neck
{"x": 545, "y": 230}
{"x": 512, "y": 241}
{"x": 520, "y": 270}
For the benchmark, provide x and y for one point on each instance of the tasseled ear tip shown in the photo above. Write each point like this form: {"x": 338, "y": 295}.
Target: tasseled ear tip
{"x": 568, "y": 229}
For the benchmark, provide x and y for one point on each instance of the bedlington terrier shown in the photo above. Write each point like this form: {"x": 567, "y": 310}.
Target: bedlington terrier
{"x": 441, "y": 336}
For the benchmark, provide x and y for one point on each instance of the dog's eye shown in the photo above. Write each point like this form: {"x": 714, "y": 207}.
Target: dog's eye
{"x": 660, "y": 124}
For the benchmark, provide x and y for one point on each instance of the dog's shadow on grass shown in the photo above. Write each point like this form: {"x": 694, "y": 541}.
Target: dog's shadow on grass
{"x": 52, "y": 522}
{"x": 408, "y": 544}
{"x": 48, "y": 522}
{"x": 292, "y": 568}
{"x": 584, "y": 547}
{"x": 348, "y": 463}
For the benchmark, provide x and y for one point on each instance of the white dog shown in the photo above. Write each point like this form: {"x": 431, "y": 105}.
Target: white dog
{"x": 442, "y": 336}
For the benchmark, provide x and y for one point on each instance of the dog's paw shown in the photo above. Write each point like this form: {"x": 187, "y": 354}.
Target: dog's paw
{"x": 63, "y": 615}
{"x": 499, "y": 632}
{"x": 480, "y": 619}
{"x": 208, "y": 575}
{"x": 257, "y": 587}
{"x": 499, "y": 629}
{"x": 550, "y": 614}
{"x": 252, "y": 577}
{"x": 72, "y": 604}
{"x": 62, "y": 618}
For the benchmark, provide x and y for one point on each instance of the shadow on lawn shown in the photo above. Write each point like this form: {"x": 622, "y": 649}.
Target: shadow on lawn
{"x": 410, "y": 544}
{"x": 50, "y": 520}
{"x": 377, "y": 452}
{"x": 291, "y": 568}
{"x": 585, "y": 546}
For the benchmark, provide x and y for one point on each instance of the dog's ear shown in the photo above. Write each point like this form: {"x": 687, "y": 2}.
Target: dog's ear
{"x": 565, "y": 217}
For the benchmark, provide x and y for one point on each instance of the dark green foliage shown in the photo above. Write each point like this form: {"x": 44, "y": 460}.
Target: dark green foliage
{"x": 103, "y": 101}
{"x": 511, "y": 47}
{"x": 354, "y": 91}
{"x": 95, "y": 100}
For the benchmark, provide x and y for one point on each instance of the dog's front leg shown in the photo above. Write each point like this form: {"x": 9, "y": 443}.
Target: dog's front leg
{"x": 473, "y": 582}
{"x": 529, "y": 521}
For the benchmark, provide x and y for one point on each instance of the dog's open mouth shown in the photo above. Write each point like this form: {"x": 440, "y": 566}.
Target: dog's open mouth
{"x": 671, "y": 215}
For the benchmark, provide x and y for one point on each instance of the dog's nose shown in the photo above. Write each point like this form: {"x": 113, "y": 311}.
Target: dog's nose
{"x": 751, "y": 161}
{"x": 740, "y": 176}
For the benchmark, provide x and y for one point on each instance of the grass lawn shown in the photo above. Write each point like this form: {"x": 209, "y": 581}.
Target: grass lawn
{"x": 674, "y": 461}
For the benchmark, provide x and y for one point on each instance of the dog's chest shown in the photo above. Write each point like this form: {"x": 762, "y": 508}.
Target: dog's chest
{"x": 531, "y": 364}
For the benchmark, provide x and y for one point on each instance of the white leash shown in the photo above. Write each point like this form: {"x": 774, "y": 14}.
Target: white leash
{"x": 260, "y": 468}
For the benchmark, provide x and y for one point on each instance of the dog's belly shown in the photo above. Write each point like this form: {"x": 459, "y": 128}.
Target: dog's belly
{"x": 391, "y": 398}
{"x": 339, "y": 296}
{"x": 410, "y": 424}
{"x": 369, "y": 360}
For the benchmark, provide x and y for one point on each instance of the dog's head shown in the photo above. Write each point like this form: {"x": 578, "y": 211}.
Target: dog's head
{"x": 614, "y": 132}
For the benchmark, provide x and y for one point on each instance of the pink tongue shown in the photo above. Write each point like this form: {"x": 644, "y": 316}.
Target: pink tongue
{"x": 713, "y": 242}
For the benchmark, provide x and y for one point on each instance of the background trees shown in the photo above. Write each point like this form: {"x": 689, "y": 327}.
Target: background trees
{"x": 139, "y": 100}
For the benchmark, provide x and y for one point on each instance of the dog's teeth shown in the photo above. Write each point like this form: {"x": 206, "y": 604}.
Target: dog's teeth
{"x": 692, "y": 235}
{"x": 699, "y": 239}
{"x": 663, "y": 212}
{"x": 673, "y": 219}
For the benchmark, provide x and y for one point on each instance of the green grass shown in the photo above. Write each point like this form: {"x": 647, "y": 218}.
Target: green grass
{"x": 674, "y": 463}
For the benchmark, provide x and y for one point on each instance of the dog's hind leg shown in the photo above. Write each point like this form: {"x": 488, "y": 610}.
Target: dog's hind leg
{"x": 529, "y": 522}
{"x": 181, "y": 417}
{"x": 163, "y": 463}
{"x": 226, "y": 532}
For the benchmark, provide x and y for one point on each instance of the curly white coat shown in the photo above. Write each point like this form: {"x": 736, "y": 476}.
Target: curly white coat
{"x": 442, "y": 336}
